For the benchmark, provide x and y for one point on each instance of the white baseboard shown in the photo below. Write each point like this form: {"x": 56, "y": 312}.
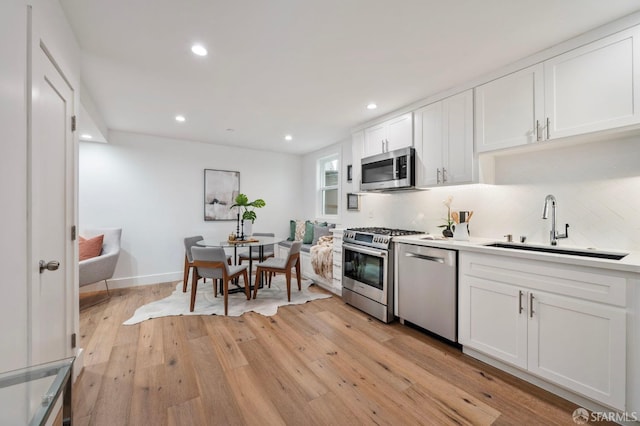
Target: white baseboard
{"x": 134, "y": 281}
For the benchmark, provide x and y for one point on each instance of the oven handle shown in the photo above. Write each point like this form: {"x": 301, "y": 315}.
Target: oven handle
{"x": 360, "y": 249}
{"x": 424, "y": 257}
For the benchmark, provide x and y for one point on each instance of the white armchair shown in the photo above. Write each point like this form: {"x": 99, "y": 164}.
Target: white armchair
{"x": 102, "y": 267}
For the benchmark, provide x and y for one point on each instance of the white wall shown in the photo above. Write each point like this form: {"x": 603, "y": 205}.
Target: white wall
{"x": 152, "y": 187}
{"x": 597, "y": 186}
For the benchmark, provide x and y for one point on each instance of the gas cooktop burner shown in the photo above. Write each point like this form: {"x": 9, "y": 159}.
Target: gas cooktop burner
{"x": 385, "y": 231}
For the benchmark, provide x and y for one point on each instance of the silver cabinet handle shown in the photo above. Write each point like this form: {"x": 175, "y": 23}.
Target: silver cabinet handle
{"x": 444, "y": 175}
{"x": 520, "y": 309}
{"x": 425, "y": 257}
{"x": 387, "y": 140}
{"x": 530, "y": 305}
{"x": 52, "y": 265}
{"x": 382, "y": 142}
{"x": 538, "y": 132}
{"x": 438, "y": 176}
{"x": 548, "y": 128}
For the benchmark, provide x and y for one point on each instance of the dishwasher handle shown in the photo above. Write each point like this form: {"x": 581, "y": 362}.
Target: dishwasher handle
{"x": 425, "y": 257}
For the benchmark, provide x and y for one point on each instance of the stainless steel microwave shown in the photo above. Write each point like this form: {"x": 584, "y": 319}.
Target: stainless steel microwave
{"x": 393, "y": 170}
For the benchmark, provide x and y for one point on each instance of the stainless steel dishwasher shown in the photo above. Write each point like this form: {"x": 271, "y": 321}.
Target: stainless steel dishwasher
{"x": 428, "y": 288}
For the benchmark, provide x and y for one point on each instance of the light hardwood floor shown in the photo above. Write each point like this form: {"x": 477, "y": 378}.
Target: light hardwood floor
{"x": 322, "y": 363}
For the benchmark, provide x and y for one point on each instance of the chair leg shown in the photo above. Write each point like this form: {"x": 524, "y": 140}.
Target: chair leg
{"x": 288, "y": 274}
{"x": 255, "y": 285}
{"x": 298, "y": 275}
{"x": 226, "y": 297}
{"x": 107, "y": 285}
{"x": 194, "y": 287}
{"x": 186, "y": 274}
{"x": 247, "y": 284}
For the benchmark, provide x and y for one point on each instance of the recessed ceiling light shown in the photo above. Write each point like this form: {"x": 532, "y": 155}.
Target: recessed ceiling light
{"x": 86, "y": 136}
{"x": 372, "y": 106}
{"x": 288, "y": 138}
{"x": 180, "y": 118}
{"x": 199, "y": 50}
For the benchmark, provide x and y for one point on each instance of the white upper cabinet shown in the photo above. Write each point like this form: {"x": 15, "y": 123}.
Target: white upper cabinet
{"x": 588, "y": 89}
{"x": 444, "y": 141}
{"x": 509, "y": 110}
{"x": 390, "y": 135}
{"x": 594, "y": 87}
{"x": 357, "y": 141}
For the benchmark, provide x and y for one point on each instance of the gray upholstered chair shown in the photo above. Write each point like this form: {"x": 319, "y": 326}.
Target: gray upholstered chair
{"x": 254, "y": 252}
{"x": 280, "y": 265}
{"x": 101, "y": 268}
{"x": 211, "y": 262}
{"x": 189, "y": 242}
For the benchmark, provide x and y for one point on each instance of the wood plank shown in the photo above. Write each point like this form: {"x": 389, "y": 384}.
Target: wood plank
{"x": 188, "y": 413}
{"x": 180, "y": 381}
{"x": 114, "y": 400}
{"x": 215, "y": 392}
{"x": 149, "y": 402}
{"x": 150, "y": 344}
{"x": 225, "y": 344}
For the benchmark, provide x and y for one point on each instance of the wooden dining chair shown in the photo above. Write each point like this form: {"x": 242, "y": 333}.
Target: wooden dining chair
{"x": 190, "y": 242}
{"x": 188, "y": 258}
{"x": 280, "y": 265}
{"x": 211, "y": 262}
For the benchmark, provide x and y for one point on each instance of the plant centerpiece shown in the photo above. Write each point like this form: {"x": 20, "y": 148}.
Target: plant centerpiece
{"x": 447, "y": 232}
{"x": 248, "y": 211}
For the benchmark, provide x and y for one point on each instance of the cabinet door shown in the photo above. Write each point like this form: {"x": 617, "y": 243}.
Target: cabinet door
{"x": 457, "y": 151}
{"x": 493, "y": 319}
{"x": 357, "y": 147}
{"x": 375, "y": 140}
{"x": 429, "y": 141}
{"x": 399, "y": 132}
{"x": 594, "y": 87}
{"x": 507, "y": 110}
{"x": 580, "y": 345}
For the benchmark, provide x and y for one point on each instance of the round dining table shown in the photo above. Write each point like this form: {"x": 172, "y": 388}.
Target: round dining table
{"x": 258, "y": 241}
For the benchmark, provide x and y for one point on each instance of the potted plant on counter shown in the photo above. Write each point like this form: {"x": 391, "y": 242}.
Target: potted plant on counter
{"x": 248, "y": 211}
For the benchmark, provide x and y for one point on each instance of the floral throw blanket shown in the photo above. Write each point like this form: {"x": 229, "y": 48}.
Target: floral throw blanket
{"x": 322, "y": 257}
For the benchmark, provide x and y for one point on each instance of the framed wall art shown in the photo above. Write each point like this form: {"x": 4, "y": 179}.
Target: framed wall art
{"x": 221, "y": 187}
{"x": 353, "y": 202}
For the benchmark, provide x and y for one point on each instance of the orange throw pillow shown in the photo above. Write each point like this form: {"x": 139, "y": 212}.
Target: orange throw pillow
{"x": 91, "y": 247}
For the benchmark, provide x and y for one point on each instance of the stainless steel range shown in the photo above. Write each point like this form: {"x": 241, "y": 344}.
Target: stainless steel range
{"x": 367, "y": 265}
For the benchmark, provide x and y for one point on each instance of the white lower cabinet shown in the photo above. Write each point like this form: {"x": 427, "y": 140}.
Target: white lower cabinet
{"x": 532, "y": 321}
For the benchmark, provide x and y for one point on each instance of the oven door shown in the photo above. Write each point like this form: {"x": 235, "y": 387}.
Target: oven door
{"x": 365, "y": 271}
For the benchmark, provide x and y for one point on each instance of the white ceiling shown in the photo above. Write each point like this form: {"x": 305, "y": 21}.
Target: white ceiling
{"x": 302, "y": 67}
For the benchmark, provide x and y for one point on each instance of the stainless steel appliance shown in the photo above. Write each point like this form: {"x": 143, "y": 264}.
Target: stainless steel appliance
{"x": 367, "y": 270}
{"x": 428, "y": 288}
{"x": 393, "y": 170}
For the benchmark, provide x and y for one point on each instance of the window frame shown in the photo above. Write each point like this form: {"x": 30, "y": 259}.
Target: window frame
{"x": 321, "y": 188}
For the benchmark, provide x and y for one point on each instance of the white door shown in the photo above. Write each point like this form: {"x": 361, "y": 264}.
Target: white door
{"x": 399, "y": 132}
{"x": 457, "y": 157}
{"x": 579, "y": 345}
{"x": 508, "y": 108}
{"x": 51, "y": 208}
{"x": 492, "y": 319}
{"x": 429, "y": 142}
{"x": 595, "y": 87}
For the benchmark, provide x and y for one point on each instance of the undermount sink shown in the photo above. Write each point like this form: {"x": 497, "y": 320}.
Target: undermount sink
{"x": 571, "y": 252}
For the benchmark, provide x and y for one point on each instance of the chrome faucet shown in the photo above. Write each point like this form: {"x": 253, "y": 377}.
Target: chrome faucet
{"x": 553, "y": 234}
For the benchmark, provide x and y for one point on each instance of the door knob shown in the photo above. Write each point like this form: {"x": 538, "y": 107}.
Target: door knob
{"x": 52, "y": 265}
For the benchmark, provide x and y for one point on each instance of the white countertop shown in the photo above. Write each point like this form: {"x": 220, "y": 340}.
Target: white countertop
{"x": 630, "y": 263}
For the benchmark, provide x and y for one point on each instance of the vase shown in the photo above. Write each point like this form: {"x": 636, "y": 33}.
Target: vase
{"x": 447, "y": 232}
{"x": 248, "y": 228}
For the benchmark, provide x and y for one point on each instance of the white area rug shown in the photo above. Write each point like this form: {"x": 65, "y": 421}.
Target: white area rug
{"x": 266, "y": 303}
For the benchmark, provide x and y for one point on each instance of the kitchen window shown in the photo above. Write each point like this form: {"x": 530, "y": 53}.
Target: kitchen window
{"x": 328, "y": 185}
